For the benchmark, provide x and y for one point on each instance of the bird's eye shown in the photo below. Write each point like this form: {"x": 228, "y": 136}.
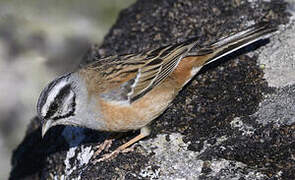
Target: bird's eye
{"x": 52, "y": 109}
{"x": 54, "y": 106}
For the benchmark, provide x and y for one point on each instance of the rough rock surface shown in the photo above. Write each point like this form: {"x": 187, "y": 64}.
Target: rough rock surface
{"x": 228, "y": 123}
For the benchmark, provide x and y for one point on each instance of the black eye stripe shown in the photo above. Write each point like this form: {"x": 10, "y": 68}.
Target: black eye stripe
{"x": 54, "y": 106}
{"x": 70, "y": 113}
{"x": 64, "y": 91}
{"x": 51, "y": 110}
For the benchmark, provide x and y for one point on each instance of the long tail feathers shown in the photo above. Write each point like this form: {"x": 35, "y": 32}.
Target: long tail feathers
{"x": 225, "y": 46}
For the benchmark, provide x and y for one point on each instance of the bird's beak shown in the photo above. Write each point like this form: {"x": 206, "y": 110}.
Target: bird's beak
{"x": 46, "y": 126}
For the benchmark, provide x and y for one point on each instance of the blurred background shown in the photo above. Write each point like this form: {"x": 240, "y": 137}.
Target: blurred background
{"x": 40, "y": 40}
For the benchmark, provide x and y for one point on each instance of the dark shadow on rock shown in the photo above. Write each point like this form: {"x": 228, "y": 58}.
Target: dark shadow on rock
{"x": 29, "y": 158}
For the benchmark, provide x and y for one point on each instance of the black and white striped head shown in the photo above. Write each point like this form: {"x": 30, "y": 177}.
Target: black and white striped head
{"x": 57, "y": 102}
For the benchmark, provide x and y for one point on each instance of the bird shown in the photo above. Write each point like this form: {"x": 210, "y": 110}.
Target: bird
{"x": 127, "y": 92}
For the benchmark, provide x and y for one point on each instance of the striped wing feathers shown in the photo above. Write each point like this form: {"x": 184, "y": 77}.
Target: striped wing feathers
{"x": 140, "y": 73}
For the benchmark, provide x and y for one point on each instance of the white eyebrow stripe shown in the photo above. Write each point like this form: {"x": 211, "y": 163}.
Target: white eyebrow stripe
{"x": 52, "y": 95}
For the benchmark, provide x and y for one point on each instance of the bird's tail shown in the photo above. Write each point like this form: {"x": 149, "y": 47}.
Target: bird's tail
{"x": 227, "y": 45}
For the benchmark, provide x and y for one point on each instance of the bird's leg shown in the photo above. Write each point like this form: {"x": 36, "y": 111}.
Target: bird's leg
{"x": 144, "y": 132}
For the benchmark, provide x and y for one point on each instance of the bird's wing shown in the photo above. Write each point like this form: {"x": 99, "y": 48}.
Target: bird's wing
{"x": 140, "y": 73}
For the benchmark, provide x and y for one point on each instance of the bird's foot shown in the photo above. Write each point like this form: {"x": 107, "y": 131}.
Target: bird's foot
{"x": 114, "y": 154}
{"x": 144, "y": 131}
{"x": 105, "y": 146}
